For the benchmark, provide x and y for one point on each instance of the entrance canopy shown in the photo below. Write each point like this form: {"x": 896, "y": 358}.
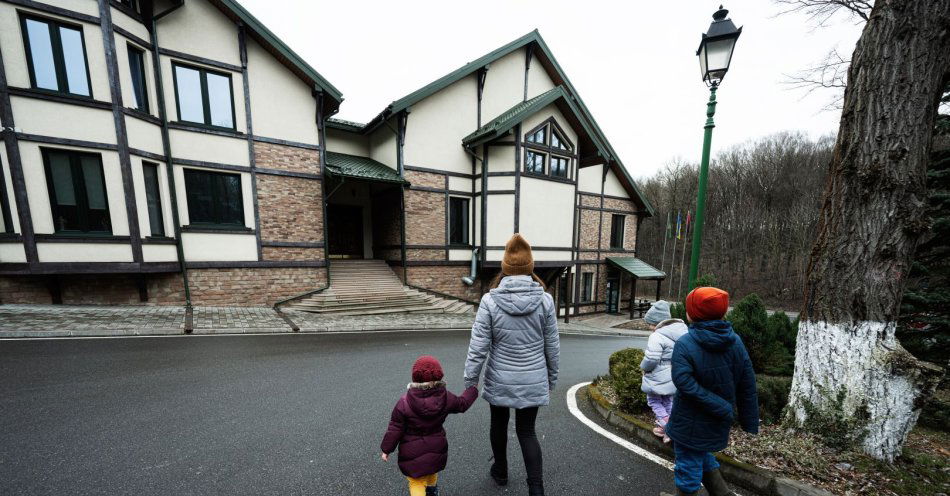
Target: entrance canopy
{"x": 356, "y": 167}
{"x": 637, "y": 268}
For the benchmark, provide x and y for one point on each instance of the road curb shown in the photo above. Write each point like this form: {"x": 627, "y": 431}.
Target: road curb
{"x": 739, "y": 473}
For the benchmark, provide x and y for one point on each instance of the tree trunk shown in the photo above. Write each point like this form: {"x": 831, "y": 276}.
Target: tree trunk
{"x": 849, "y": 366}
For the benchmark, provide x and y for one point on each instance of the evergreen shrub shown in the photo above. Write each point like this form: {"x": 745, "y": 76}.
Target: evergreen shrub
{"x": 625, "y": 379}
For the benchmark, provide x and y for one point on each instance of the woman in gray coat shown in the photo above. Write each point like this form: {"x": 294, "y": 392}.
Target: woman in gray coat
{"x": 515, "y": 336}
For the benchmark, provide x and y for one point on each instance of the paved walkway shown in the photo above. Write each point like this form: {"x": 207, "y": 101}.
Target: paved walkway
{"x": 26, "y": 321}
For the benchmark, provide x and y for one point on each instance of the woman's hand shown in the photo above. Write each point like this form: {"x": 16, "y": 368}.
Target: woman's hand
{"x": 384, "y": 456}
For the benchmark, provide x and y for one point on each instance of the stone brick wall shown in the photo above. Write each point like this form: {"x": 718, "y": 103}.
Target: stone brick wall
{"x": 425, "y": 218}
{"x": 426, "y": 179}
{"x": 290, "y": 208}
{"x": 445, "y": 279}
{"x": 252, "y": 287}
{"x": 425, "y": 254}
{"x": 94, "y": 289}
{"x": 292, "y": 253}
{"x": 589, "y": 224}
{"x": 288, "y": 158}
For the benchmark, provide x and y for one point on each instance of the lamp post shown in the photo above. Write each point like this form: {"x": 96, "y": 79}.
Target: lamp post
{"x": 715, "y": 54}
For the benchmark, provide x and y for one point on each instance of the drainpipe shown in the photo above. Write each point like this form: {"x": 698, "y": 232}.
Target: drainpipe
{"x": 166, "y": 147}
{"x": 470, "y": 279}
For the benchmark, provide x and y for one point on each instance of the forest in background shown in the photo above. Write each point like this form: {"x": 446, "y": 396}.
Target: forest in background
{"x": 762, "y": 205}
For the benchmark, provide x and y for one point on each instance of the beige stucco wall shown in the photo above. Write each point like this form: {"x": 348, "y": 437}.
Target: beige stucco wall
{"x": 125, "y": 75}
{"x": 589, "y": 179}
{"x": 547, "y": 212}
{"x": 501, "y": 159}
{"x": 199, "y": 28}
{"x": 131, "y": 25}
{"x": 501, "y": 219}
{"x": 145, "y": 135}
{"x": 345, "y": 142}
{"x": 282, "y": 105}
{"x": 209, "y": 148}
{"x": 504, "y": 85}
{"x": 542, "y": 115}
{"x": 63, "y": 121}
{"x": 202, "y": 247}
{"x": 437, "y": 125}
{"x": 382, "y": 144}
{"x": 14, "y": 56}
{"x": 159, "y": 253}
{"x": 460, "y": 255}
{"x": 84, "y": 252}
{"x": 38, "y": 194}
{"x": 496, "y": 183}
{"x": 12, "y": 253}
{"x": 168, "y": 83}
{"x": 460, "y": 183}
{"x": 538, "y": 79}
{"x": 545, "y": 255}
{"x": 613, "y": 187}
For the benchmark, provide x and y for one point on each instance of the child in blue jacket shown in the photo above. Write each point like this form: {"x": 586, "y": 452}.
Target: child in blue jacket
{"x": 713, "y": 377}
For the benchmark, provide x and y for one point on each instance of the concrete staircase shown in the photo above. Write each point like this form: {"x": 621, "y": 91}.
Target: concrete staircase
{"x": 365, "y": 287}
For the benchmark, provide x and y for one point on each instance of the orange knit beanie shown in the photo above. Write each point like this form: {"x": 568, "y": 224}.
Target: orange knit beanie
{"x": 706, "y": 303}
{"x": 518, "y": 260}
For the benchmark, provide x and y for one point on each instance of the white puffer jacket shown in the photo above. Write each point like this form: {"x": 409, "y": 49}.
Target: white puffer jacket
{"x": 657, "y": 377}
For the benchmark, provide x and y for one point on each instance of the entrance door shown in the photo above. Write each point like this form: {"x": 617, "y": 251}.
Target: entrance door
{"x": 613, "y": 294}
{"x": 345, "y": 231}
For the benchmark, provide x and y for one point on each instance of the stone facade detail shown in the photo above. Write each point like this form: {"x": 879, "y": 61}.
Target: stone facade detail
{"x": 252, "y": 286}
{"x": 290, "y": 208}
{"x": 425, "y": 218}
{"x": 94, "y": 289}
{"x": 445, "y": 279}
{"x": 287, "y": 158}
{"x": 292, "y": 253}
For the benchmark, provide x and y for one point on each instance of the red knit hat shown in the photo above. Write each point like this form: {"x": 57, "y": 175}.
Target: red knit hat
{"x": 707, "y": 304}
{"x": 426, "y": 369}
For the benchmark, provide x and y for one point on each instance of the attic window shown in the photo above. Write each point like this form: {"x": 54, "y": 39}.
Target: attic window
{"x": 548, "y": 152}
{"x": 538, "y": 136}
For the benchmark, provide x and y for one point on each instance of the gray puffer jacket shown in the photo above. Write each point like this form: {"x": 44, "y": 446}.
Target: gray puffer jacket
{"x": 656, "y": 363}
{"x": 515, "y": 331}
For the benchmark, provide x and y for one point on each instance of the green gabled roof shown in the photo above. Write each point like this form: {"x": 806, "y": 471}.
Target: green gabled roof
{"x": 271, "y": 39}
{"x": 573, "y": 98}
{"x": 354, "y": 166}
{"x": 345, "y": 125}
{"x": 508, "y": 119}
{"x": 636, "y": 267}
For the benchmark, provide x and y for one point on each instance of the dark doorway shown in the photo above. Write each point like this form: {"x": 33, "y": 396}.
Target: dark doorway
{"x": 613, "y": 294}
{"x": 345, "y": 231}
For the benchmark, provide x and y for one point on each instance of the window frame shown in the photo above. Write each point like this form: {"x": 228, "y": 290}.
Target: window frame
{"x": 544, "y": 162}
{"x": 158, "y": 191}
{"x": 79, "y": 192}
{"x": 143, "y": 103}
{"x": 587, "y": 287}
{"x": 550, "y": 128}
{"x": 614, "y": 233}
{"x": 215, "y": 225}
{"x": 464, "y": 216}
{"x": 205, "y": 102}
{"x": 59, "y": 59}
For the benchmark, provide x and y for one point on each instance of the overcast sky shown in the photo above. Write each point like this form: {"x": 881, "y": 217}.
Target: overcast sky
{"x": 632, "y": 62}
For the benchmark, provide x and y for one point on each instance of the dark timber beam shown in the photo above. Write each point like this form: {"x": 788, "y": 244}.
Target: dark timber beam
{"x": 401, "y": 121}
{"x": 252, "y": 160}
{"x": 517, "y": 131}
{"x": 121, "y": 135}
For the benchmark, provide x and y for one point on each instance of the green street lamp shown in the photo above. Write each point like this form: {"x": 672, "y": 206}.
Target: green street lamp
{"x": 715, "y": 55}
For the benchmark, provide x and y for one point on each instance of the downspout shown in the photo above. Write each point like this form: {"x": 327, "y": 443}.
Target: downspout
{"x": 470, "y": 279}
{"x": 322, "y": 140}
{"x": 167, "y": 149}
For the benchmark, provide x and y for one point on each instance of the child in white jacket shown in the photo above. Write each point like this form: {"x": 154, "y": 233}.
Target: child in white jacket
{"x": 657, "y": 377}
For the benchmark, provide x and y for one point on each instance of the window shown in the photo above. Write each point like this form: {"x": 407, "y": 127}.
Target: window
{"x": 214, "y": 198}
{"x": 77, "y": 192}
{"x": 458, "y": 221}
{"x": 153, "y": 199}
{"x": 616, "y": 231}
{"x": 559, "y": 166}
{"x": 204, "y": 97}
{"x": 547, "y": 142}
{"x": 534, "y": 162}
{"x": 137, "y": 69}
{"x": 56, "y": 56}
{"x": 132, "y": 4}
{"x": 587, "y": 286}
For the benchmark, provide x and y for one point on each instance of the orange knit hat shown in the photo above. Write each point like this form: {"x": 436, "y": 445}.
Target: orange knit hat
{"x": 517, "y": 260}
{"x": 707, "y": 304}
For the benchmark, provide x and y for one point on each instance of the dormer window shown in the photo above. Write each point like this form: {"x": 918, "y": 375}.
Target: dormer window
{"x": 548, "y": 152}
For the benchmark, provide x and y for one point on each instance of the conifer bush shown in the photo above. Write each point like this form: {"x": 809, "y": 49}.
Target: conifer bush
{"x": 625, "y": 379}
{"x": 768, "y": 354}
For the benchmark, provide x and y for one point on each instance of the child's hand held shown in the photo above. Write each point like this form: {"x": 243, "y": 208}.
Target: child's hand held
{"x": 384, "y": 456}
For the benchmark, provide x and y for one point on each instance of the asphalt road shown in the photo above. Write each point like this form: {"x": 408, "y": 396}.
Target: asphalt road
{"x": 283, "y": 414}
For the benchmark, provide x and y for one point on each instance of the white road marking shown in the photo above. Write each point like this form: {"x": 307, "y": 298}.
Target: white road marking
{"x": 572, "y": 406}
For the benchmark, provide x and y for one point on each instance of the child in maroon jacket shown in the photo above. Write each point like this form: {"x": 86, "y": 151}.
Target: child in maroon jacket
{"x": 416, "y": 426}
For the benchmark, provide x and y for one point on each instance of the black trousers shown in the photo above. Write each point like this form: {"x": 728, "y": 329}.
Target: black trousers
{"x": 527, "y": 438}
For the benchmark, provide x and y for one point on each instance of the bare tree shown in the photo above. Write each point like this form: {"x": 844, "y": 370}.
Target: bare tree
{"x": 821, "y": 11}
{"x": 849, "y": 365}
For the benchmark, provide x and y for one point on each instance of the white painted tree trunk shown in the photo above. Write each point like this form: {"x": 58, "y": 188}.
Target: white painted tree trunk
{"x": 876, "y": 378}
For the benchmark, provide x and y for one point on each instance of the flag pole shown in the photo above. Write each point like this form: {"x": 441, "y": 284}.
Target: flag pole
{"x": 679, "y": 289}
{"x": 666, "y": 237}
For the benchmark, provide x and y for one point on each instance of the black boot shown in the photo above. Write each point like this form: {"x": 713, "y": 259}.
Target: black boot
{"x": 432, "y": 490}
{"x": 679, "y": 492}
{"x": 715, "y": 485}
{"x": 535, "y": 489}
{"x": 499, "y": 474}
